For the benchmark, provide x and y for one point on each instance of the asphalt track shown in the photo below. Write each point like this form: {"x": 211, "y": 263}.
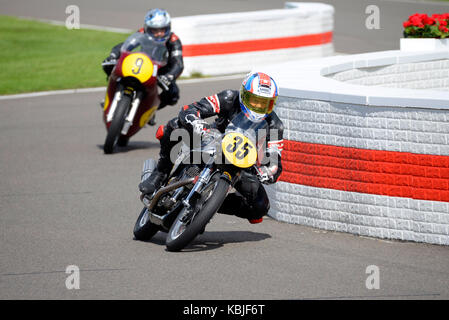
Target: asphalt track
{"x": 63, "y": 202}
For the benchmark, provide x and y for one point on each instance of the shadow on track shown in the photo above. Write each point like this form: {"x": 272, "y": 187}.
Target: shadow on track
{"x": 134, "y": 145}
{"x": 213, "y": 239}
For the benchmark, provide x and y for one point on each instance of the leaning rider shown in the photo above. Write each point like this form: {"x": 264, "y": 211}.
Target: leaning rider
{"x": 256, "y": 99}
{"x": 157, "y": 26}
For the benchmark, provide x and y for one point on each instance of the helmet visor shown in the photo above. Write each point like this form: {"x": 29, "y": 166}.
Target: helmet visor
{"x": 157, "y": 33}
{"x": 258, "y": 104}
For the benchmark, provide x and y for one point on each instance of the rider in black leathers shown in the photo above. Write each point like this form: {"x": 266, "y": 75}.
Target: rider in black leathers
{"x": 251, "y": 200}
{"x": 158, "y": 26}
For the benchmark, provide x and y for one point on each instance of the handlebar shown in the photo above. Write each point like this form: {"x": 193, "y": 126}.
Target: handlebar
{"x": 109, "y": 63}
{"x": 162, "y": 85}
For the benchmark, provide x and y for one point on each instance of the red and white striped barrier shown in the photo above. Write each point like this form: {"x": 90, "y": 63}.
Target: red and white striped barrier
{"x": 369, "y": 159}
{"x": 236, "y": 42}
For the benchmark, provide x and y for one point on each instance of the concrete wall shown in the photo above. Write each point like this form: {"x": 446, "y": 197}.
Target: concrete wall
{"x": 236, "y": 42}
{"x": 367, "y": 160}
{"x": 419, "y": 75}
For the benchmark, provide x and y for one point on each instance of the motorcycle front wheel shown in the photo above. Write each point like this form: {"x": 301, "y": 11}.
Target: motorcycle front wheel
{"x": 117, "y": 124}
{"x": 181, "y": 233}
{"x": 122, "y": 141}
{"x": 144, "y": 229}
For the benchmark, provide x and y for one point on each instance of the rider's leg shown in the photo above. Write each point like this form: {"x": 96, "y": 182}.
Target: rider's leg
{"x": 250, "y": 201}
{"x": 164, "y": 165}
{"x": 169, "y": 97}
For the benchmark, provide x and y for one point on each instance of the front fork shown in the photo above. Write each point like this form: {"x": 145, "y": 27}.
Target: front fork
{"x": 117, "y": 97}
{"x": 132, "y": 112}
{"x": 190, "y": 201}
{"x": 195, "y": 194}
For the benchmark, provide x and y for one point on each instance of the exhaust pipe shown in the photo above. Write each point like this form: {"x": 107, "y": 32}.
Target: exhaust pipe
{"x": 166, "y": 189}
{"x": 164, "y": 219}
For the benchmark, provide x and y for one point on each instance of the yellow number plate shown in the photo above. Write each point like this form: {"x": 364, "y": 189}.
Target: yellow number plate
{"x": 239, "y": 150}
{"x": 139, "y": 66}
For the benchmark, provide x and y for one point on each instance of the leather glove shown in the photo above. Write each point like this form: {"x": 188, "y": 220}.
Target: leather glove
{"x": 265, "y": 175}
{"x": 165, "y": 81}
{"x": 200, "y": 127}
{"x": 110, "y": 60}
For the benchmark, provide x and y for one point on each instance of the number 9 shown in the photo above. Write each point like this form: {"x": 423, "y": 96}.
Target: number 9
{"x": 138, "y": 63}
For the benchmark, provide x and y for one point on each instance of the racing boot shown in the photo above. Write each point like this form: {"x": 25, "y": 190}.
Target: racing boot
{"x": 153, "y": 182}
{"x": 237, "y": 205}
{"x": 152, "y": 121}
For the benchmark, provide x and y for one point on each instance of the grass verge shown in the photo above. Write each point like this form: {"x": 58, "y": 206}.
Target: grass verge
{"x": 36, "y": 56}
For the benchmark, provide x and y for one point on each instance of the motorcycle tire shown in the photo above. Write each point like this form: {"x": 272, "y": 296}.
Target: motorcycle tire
{"x": 117, "y": 124}
{"x": 180, "y": 235}
{"x": 144, "y": 229}
{"x": 122, "y": 141}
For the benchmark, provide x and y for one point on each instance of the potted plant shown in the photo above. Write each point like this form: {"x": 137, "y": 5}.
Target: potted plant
{"x": 422, "y": 32}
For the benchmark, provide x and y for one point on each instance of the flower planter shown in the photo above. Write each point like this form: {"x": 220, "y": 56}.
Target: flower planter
{"x": 423, "y": 44}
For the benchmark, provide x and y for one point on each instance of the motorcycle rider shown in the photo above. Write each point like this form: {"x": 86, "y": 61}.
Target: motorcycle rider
{"x": 256, "y": 99}
{"x": 157, "y": 25}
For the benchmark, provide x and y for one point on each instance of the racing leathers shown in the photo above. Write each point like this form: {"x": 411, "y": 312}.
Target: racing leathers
{"x": 250, "y": 200}
{"x": 167, "y": 74}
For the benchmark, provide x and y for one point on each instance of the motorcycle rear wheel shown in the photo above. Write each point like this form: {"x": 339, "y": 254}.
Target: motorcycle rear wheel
{"x": 144, "y": 229}
{"x": 180, "y": 234}
{"x": 117, "y": 124}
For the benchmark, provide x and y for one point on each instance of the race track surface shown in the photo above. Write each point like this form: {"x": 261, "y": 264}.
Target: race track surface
{"x": 63, "y": 202}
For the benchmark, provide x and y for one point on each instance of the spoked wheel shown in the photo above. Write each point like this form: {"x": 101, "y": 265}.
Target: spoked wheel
{"x": 182, "y": 232}
{"x": 117, "y": 124}
{"x": 144, "y": 229}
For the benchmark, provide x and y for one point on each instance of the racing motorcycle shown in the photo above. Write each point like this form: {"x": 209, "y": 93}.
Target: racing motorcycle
{"x": 132, "y": 95}
{"x": 194, "y": 192}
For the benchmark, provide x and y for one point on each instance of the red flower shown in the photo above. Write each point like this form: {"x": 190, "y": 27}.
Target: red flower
{"x": 407, "y": 24}
{"x": 416, "y": 21}
{"x": 429, "y": 21}
{"x": 419, "y": 25}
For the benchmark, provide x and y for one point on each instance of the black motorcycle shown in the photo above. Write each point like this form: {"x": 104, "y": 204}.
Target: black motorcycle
{"x": 194, "y": 192}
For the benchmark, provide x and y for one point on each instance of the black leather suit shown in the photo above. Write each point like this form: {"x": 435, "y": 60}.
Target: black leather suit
{"x": 251, "y": 200}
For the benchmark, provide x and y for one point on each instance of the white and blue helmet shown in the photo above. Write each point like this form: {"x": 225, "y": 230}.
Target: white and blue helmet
{"x": 157, "y": 19}
{"x": 258, "y": 95}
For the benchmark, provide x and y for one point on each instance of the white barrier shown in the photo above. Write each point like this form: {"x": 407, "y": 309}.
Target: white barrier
{"x": 236, "y": 42}
{"x": 369, "y": 159}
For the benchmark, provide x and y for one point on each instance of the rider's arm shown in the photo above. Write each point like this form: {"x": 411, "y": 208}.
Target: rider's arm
{"x": 110, "y": 61}
{"x": 115, "y": 51}
{"x": 272, "y": 167}
{"x": 175, "y": 60}
{"x": 207, "y": 107}
{"x": 275, "y": 165}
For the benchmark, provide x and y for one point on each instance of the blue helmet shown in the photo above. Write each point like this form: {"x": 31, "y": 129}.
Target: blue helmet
{"x": 157, "y": 20}
{"x": 258, "y": 95}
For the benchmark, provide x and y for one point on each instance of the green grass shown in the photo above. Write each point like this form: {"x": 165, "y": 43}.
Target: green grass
{"x": 36, "y": 56}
